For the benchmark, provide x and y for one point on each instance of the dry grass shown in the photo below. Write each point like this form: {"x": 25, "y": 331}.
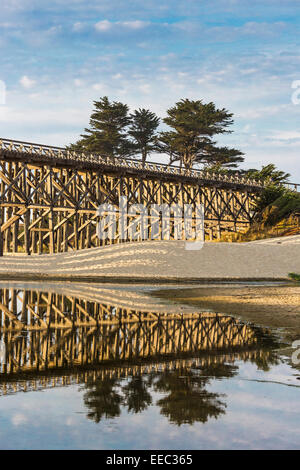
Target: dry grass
{"x": 285, "y": 228}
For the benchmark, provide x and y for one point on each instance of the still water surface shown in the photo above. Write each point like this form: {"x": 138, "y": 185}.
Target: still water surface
{"x": 108, "y": 367}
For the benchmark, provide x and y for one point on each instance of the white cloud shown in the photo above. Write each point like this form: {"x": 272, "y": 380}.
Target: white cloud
{"x": 103, "y": 26}
{"x": 98, "y": 87}
{"x": 145, "y": 88}
{"x": 6, "y": 25}
{"x": 18, "y": 419}
{"x": 54, "y": 30}
{"x": 78, "y": 27}
{"x": 249, "y": 71}
{"x": 168, "y": 56}
{"x": 262, "y": 111}
{"x": 35, "y": 96}
{"x": 26, "y": 82}
{"x": 253, "y": 27}
{"x": 134, "y": 24}
{"x": 78, "y": 82}
{"x": 286, "y": 135}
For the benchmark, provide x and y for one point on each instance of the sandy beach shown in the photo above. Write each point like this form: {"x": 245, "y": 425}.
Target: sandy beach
{"x": 153, "y": 261}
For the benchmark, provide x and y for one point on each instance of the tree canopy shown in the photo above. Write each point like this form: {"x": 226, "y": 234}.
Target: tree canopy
{"x": 269, "y": 174}
{"x": 107, "y": 133}
{"x": 193, "y": 125}
{"x": 274, "y": 180}
{"x": 142, "y": 129}
{"x": 114, "y": 133}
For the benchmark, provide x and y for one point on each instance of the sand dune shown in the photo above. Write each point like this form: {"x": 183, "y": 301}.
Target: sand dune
{"x": 169, "y": 260}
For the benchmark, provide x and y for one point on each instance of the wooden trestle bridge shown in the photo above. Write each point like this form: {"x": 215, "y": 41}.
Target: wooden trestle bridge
{"x": 44, "y": 334}
{"x": 49, "y": 196}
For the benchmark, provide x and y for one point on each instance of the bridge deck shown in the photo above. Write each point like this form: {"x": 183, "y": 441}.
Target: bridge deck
{"x": 13, "y": 150}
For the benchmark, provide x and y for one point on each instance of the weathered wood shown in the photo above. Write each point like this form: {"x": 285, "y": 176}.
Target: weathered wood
{"x": 49, "y": 198}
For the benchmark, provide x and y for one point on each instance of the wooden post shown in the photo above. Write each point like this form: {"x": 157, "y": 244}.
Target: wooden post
{"x": 1, "y": 234}
{"x": 27, "y": 232}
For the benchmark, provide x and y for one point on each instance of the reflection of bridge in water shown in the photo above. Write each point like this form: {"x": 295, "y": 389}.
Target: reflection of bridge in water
{"x": 51, "y": 339}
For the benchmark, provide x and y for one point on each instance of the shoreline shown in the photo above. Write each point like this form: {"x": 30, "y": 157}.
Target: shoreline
{"x": 275, "y": 307}
{"x": 15, "y": 276}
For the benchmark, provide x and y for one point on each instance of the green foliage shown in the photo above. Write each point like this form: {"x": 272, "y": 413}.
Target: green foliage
{"x": 274, "y": 180}
{"x": 142, "y": 129}
{"x": 190, "y": 141}
{"x": 277, "y": 207}
{"x": 269, "y": 174}
{"x": 222, "y": 157}
{"x": 294, "y": 276}
{"x": 276, "y": 219}
{"x": 284, "y": 206}
{"x": 107, "y": 134}
{"x": 115, "y": 133}
{"x": 270, "y": 194}
{"x": 279, "y": 218}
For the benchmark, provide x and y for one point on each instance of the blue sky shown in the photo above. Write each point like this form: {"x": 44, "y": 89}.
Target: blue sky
{"x": 57, "y": 57}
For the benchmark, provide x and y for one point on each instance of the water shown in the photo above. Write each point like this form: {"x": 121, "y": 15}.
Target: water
{"x": 108, "y": 367}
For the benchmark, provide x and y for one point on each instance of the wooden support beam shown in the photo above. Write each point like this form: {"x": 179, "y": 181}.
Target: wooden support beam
{"x": 46, "y": 209}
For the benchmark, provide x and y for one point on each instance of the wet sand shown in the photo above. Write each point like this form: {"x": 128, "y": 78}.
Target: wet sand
{"x": 271, "y": 306}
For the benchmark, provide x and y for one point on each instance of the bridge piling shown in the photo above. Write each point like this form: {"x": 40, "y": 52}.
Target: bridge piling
{"x": 49, "y": 197}
{"x": 1, "y": 235}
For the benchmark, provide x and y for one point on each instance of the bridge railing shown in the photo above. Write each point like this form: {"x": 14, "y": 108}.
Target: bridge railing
{"x": 293, "y": 187}
{"x": 61, "y": 153}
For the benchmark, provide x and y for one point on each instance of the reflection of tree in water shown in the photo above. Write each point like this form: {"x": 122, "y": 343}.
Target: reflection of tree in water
{"x": 219, "y": 370}
{"x": 102, "y": 400}
{"x": 187, "y": 400}
{"x": 136, "y": 396}
{"x": 267, "y": 357}
{"x": 105, "y": 397}
{"x": 265, "y": 361}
